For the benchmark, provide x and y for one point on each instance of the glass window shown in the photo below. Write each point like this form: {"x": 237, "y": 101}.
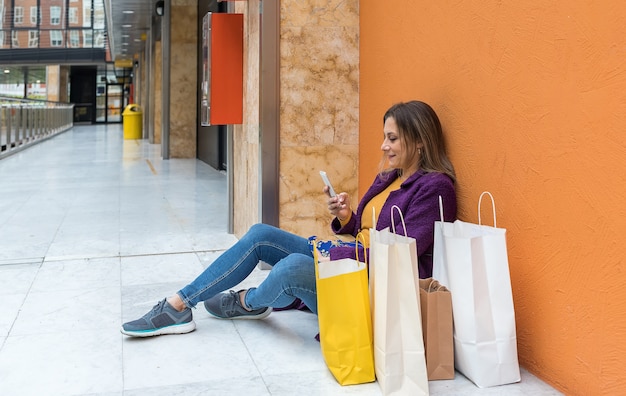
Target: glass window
{"x": 87, "y": 13}
{"x": 18, "y": 15}
{"x": 56, "y": 38}
{"x": 33, "y": 15}
{"x": 98, "y": 38}
{"x": 31, "y": 22}
{"x": 73, "y": 15}
{"x": 55, "y": 15}
{"x": 87, "y": 38}
{"x": 14, "y": 39}
{"x": 98, "y": 15}
{"x": 36, "y": 82}
{"x": 33, "y": 38}
{"x": 74, "y": 39}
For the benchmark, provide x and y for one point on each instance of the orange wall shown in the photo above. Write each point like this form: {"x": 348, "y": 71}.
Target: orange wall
{"x": 532, "y": 97}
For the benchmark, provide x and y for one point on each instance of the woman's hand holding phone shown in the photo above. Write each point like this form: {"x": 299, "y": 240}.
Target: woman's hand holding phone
{"x": 338, "y": 204}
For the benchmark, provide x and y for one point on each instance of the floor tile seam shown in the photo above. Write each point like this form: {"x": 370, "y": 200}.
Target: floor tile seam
{"x": 97, "y": 255}
{"x": 194, "y": 252}
{"x": 56, "y": 233}
{"x": 121, "y": 320}
{"x": 22, "y": 203}
{"x": 191, "y": 383}
{"x": 256, "y": 366}
{"x": 19, "y": 311}
{"x": 55, "y": 259}
{"x": 21, "y": 261}
{"x": 113, "y": 330}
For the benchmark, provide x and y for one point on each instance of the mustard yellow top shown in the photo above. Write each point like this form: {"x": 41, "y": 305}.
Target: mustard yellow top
{"x": 372, "y": 210}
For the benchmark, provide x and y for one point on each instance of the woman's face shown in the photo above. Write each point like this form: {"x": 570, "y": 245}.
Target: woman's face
{"x": 395, "y": 149}
{"x": 392, "y": 146}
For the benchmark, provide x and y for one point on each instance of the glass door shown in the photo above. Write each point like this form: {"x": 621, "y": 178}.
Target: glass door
{"x": 115, "y": 102}
{"x": 101, "y": 102}
{"x": 112, "y": 92}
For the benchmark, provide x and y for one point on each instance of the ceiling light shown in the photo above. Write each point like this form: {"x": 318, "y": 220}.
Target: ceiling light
{"x": 7, "y": 71}
{"x": 128, "y": 12}
{"x": 127, "y": 26}
{"x": 159, "y": 8}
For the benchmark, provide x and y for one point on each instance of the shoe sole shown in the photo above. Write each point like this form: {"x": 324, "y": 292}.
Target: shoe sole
{"x": 173, "y": 329}
{"x": 263, "y": 315}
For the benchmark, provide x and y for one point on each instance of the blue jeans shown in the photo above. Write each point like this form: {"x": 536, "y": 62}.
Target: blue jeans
{"x": 292, "y": 275}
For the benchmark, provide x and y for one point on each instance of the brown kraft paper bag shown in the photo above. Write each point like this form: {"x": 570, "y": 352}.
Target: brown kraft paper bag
{"x": 436, "y": 307}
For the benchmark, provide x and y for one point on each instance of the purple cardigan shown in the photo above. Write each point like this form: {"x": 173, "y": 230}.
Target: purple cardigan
{"x": 418, "y": 199}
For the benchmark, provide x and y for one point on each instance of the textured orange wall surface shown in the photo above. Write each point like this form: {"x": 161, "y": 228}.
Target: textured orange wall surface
{"x": 532, "y": 97}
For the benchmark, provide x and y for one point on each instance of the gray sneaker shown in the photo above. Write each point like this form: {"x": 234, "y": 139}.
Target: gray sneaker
{"x": 227, "y": 306}
{"x": 162, "y": 319}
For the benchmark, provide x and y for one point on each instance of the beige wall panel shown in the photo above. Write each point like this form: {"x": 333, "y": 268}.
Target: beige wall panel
{"x": 319, "y": 94}
{"x": 246, "y": 162}
{"x": 183, "y": 79}
{"x": 158, "y": 91}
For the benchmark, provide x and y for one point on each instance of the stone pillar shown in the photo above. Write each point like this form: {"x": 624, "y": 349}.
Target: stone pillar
{"x": 246, "y": 159}
{"x": 157, "y": 91}
{"x": 183, "y": 78}
{"x": 143, "y": 66}
{"x": 64, "y": 84}
{"x": 53, "y": 81}
{"x": 319, "y": 109}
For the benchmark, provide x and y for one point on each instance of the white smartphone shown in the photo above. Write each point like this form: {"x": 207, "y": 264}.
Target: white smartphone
{"x": 331, "y": 190}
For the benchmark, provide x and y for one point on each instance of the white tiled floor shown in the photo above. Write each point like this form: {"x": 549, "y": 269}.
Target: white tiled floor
{"x": 93, "y": 231}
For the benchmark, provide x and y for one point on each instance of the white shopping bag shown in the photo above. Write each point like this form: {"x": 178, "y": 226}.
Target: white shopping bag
{"x": 399, "y": 356}
{"x": 471, "y": 261}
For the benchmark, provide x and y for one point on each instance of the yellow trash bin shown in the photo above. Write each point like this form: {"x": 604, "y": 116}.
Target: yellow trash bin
{"x": 133, "y": 122}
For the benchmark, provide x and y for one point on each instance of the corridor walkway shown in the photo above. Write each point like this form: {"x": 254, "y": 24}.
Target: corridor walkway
{"x": 94, "y": 230}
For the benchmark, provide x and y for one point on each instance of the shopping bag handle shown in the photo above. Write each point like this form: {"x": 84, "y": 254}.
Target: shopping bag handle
{"x": 356, "y": 248}
{"x": 434, "y": 285}
{"x": 480, "y": 200}
{"x": 493, "y": 207}
{"x": 393, "y": 223}
{"x": 441, "y": 208}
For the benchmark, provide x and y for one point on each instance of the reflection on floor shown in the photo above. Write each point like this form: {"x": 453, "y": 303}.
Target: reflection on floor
{"x": 94, "y": 230}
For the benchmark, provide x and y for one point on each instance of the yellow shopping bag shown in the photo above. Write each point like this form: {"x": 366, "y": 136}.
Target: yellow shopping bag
{"x": 343, "y": 311}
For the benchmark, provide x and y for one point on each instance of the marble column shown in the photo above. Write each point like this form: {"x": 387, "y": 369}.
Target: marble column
{"x": 183, "y": 78}
{"x": 319, "y": 107}
{"x": 53, "y": 83}
{"x": 319, "y": 110}
{"x": 157, "y": 92}
{"x": 64, "y": 83}
{"x": 246, "y": 156}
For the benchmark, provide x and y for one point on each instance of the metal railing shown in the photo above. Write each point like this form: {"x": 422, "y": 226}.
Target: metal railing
{"x": 27, "y": 122}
